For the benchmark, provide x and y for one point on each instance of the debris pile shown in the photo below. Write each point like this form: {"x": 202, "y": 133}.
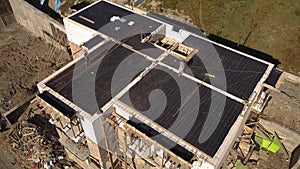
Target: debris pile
{"x": 38, "y": 145}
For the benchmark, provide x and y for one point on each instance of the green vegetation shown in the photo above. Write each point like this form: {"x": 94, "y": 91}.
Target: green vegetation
{"x": 275, "y": 24}
{"x": 146, "y": 5}
{"x": 65, "y": 8}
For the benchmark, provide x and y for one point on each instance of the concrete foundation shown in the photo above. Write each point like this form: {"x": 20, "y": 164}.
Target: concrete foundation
{"x": 39, "y": 23}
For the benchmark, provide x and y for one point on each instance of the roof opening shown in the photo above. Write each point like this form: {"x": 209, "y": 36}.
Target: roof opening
{"x": 178, "y": 50}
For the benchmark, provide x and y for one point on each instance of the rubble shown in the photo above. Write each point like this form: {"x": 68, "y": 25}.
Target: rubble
{"x": 37, "y": 143}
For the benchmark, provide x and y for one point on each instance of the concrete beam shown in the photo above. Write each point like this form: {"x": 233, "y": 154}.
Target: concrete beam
{"x": 204, "y": 83}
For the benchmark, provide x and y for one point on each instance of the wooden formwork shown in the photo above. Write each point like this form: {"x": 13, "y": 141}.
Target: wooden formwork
{"x": 129, "y": 130}
{"x": 176, "y": 49}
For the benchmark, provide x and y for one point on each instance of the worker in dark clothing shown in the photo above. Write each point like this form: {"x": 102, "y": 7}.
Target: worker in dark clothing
{"x": 86, "y": 58}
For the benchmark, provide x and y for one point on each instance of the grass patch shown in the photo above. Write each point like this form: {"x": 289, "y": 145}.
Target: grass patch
{"x": 275, "y": 25}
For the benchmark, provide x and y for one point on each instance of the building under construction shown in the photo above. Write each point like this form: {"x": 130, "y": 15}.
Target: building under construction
{"x": 144, "y": 93}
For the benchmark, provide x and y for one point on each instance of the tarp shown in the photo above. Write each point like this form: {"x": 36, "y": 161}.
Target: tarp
{"x": 271, "y": 145}
{"x": 42, "y": 2}
{"x": 57, "y": 5}
{"x": 239, "y": 165}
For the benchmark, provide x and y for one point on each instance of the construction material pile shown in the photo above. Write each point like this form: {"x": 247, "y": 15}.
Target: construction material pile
{"x": 38, "y": 145}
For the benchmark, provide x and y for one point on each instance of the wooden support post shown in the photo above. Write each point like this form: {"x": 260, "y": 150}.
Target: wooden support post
{"x": 137, "y": 132}
{"x": 248, "y": 155}
{"x": 79, "y": 130}
{"x": 162, "y": 161}
{"x": 107, "y": 145}
{"x": 73, "y": 130}
{"x": 80, "y": 127}
{"x": 131, "y": 129}
{"x": 125, "y": 149}
{"x": 60, "y": 123}
{"x": 140, "y": 145}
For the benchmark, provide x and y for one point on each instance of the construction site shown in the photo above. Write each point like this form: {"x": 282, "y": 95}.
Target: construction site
{"x": 144, "y": 91}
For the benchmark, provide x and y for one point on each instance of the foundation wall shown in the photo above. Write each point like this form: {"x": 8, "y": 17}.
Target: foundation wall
{"x": 39, "y": 23}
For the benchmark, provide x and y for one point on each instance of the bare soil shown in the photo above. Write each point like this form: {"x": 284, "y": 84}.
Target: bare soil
{"x": 283, "y": 109}
{"x": 8, "y": 159}
{"x": 24, "y": 61}
{"x": 270, "y": 160}
{"x": 284, "y": 106}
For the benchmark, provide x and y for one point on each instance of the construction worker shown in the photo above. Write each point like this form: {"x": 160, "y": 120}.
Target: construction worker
{"x": 181, "y": 67}
{"x": 86, "y": 58}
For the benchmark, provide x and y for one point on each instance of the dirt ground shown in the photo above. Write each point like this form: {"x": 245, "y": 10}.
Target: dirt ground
{"x": 25, "y": 60}
{"x": 284, "y": 106}
{"x": 8, "y": 159}
{"x": 283, "y": 109}
{"x": 272, "y": 161}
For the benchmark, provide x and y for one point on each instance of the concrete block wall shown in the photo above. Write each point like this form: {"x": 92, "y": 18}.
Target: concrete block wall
{"x": 39, "y": 23}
